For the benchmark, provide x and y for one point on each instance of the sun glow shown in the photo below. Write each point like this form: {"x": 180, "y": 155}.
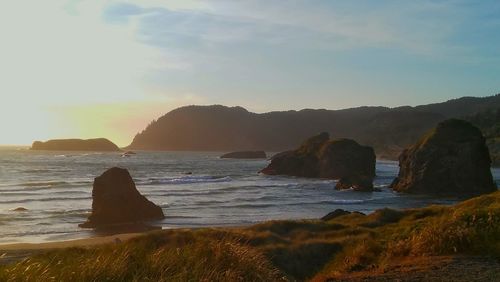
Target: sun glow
{"x": 62, "y": 55}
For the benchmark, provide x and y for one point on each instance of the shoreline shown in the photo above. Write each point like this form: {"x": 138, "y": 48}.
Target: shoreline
{"x": 388, "y": 244}
{"x": 84, "y": 242}
{"x": 12, "y": 252}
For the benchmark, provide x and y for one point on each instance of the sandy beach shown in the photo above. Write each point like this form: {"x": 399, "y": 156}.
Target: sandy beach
{"x": 18, "y": 251}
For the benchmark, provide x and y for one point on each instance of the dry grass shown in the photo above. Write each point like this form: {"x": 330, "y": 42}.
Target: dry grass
{"x": 171, "y": 256}
{"x": 280, "y": 250}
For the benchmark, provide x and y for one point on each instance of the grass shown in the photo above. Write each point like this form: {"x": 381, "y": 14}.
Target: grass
{"x": 279, "y": 250}
{"x": 203, "y": 255}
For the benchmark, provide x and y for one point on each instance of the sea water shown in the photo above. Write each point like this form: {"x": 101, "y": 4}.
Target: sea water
{"x": 194, "y": 189}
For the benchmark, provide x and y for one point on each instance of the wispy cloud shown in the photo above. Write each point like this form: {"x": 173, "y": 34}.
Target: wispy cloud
{"x": 414, "y": 26}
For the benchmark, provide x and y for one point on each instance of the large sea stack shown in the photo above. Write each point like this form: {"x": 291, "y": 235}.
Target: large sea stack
{"x": 319, "y": 157}
{"x": 451, "y": 159}
{"x": 115, "y": 200}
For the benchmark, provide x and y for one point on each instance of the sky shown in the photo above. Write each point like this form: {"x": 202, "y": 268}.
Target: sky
{"x": 84, "y": 69}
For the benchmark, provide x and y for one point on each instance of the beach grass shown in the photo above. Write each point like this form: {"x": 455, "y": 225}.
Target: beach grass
{"x": 294, "y": 250}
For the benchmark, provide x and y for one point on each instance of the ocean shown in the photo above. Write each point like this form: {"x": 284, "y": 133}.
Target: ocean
{"x": 194, "y": 189}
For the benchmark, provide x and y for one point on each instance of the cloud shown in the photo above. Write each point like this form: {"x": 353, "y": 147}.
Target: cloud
{"x": 120, "y": 13}
{"x": 416, "y": 27}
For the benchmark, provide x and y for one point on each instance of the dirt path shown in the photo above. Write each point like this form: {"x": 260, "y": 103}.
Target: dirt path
{"x": 442, "y": 268}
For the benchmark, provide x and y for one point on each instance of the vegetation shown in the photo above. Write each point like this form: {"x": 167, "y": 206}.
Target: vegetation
{"x": 219, "y": 128}
{"x": 280, "y": 250}
{"x": 489, "y": 123}
{"x": 203, "y": 255}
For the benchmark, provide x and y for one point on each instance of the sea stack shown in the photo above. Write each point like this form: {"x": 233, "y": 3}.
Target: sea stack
{"x": 451, "y": 160}
{"x": 245, "y": 155}
{"x": 97, "y": 144}
{"x": 319, "y": 157}
{"x": 115, "y": 200}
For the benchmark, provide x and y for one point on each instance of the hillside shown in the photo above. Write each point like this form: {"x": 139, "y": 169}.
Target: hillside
{"x": 220, "y": 128}
{"x": 489, "y": 123}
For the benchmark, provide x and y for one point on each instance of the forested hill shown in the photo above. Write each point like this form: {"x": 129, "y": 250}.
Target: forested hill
{"x": 221, "y": 128}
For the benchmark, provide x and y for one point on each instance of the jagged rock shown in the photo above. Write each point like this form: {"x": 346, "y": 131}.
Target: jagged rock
{"x": 20, "y": 209}
{"x": 334, "y": 214}
{"x": 98, "y": 144}
{"x": 451, "y": 159}
{"x": 115, "y": 200}
{"x": 245, "y": 155}
{"x": 320, "y": 157}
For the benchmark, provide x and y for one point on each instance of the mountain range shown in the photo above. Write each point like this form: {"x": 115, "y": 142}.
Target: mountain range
{"x": 388, "y": 130}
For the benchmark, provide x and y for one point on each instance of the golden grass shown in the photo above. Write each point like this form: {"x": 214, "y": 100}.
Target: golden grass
{"x": 204, "y": 255}
{"x": 279, "y": 250}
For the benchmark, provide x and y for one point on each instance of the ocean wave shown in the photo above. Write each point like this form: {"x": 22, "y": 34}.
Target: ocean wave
{"x": 264, "y": 202}
{"x": 20, "y": 201}
{"x": 341, "y": 201}
{"x": 44, "y": 170}
{"x": 251, "y": 206}
{"x": 43, "y": 183}
{"x": 47, "y": 232}
{"x": 243, "y": 200}
{"x": 188, "y": 179}
{"x": 199, "y": 192}
{"x": 81, "y": 213}
{"x": 22, "y": 193}
{"x": 183, "y": 193}
{"x": 180, "y": 216}
{"x": 38, "y": 170}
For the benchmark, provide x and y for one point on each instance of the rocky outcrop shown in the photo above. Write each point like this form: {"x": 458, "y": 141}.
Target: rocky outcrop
{"x": 245, "y": 155}
{"x": 115, "y": 200}
{"x": 451, "y": 160}
{"x": 338, "y": 213}
{"x": 319, "y": 157}
{"x": 98, "y": 144}
{"x": 334, "y": 214}
{"x": 20, "y": 209}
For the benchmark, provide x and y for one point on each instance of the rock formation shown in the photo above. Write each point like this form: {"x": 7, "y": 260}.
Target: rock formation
{"x": 115, "y": 200}
{"x": 98, "y": 144}
{"x": 451, "y": 159}
{"x": 334, "y": 214}
{"x": 319, "y": 157}
{"x": 245, "y": 155}
{"x": 338, "y": 213}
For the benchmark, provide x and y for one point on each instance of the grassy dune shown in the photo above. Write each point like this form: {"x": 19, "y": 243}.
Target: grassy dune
{"x": 280, "y": 250}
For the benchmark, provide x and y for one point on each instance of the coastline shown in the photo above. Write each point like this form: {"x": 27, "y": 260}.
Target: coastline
{"x": 85, "y": 242}
{"x": 13, "y": 252}
{"x": 407, "y": 244}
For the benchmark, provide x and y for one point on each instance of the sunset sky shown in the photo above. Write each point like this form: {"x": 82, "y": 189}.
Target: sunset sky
{"x": 107, "y": 68}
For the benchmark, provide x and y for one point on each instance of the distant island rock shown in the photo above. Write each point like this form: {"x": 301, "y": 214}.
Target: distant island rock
{"x": 20, "y": 209}
{"x": 115, "y": 200}
{"x": 451, "y": 159}
{"x": 97, "y": 144}
{"x": 319, "y": 157}
{"x": 245, "y": 155}
{"x": 387, "y": 130}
